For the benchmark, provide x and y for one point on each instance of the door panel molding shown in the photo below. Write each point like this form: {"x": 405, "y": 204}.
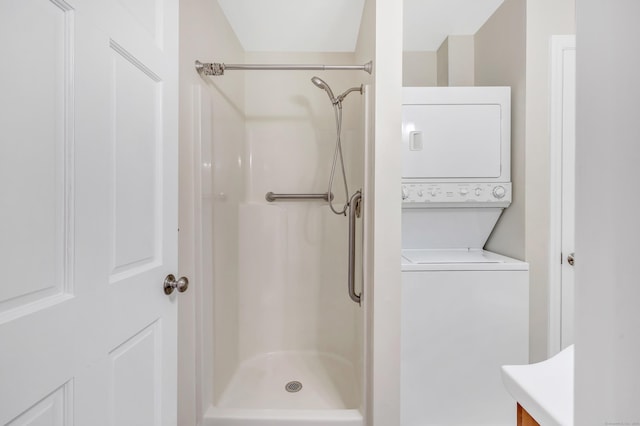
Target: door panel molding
{"x": 39, "y": 161}
{"x": 55, "y": 409}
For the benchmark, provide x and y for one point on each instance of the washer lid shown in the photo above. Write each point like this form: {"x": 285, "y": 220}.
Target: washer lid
{"x": 422, "y": 257}
{"x": 458, "y": 260}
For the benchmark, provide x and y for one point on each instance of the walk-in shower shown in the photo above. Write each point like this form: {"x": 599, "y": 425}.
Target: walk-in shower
{"x": 286, "y": 344}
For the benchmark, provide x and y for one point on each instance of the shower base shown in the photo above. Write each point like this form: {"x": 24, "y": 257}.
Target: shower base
{"x": 264, "y": 392}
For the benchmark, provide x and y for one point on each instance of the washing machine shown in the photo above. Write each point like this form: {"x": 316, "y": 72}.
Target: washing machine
{"x": 464, "y": 309}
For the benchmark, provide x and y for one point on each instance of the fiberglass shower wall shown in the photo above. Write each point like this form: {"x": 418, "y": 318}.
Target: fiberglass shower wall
{"x": 279, "y": 270}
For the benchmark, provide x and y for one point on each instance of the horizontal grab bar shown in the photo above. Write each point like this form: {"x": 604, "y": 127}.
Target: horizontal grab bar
{"x": 271, "y": 197}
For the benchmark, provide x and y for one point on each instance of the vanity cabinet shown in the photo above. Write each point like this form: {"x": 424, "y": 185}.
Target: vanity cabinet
{"x": 524, "y": 418}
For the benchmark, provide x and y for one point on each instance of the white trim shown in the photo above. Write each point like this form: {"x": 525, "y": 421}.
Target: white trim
{"x": 367, "y": 255}
{"x": 558, "y": 45}
{"x": 200, "y": 355}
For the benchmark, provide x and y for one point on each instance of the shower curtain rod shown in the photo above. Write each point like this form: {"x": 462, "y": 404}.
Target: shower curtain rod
{"x": 219, "y": 68}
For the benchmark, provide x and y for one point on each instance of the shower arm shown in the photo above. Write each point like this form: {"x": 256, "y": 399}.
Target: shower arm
{"x": 340, "y": 98}
{"x": 217, "y": 68}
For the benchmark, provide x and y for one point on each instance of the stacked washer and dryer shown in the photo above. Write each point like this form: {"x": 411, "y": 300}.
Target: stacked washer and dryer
{"x": 464, "y": 309}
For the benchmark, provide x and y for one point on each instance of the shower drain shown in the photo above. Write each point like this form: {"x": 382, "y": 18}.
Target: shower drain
{"x": 293, "y": 386}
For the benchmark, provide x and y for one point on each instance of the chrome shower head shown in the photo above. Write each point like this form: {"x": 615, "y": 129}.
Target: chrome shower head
{"x": 324, "y": 86}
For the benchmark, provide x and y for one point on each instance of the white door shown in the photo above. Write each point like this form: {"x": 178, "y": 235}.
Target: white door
{"x": 88, "y": 214}
{"x": 562, "y": 238}
{"x": 568, "y": 195}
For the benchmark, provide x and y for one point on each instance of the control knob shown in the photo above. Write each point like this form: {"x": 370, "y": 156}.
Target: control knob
{"x": 499, "y": 192}
{"x": 405, "y": 193}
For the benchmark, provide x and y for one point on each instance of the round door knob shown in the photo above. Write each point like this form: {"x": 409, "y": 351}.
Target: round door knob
{"x": 171, "y": 284}
{"x": 571, "y": 259}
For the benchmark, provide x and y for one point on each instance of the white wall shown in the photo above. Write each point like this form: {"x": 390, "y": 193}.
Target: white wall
{"x": 382, "y": 207}
{"x": 451, "y": 65}
{"x": 607, "y": 227}
{"x": 419, "y": 69}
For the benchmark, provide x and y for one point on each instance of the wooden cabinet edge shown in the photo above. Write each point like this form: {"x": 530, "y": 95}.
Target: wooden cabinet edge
{"x": 524, "y": 418}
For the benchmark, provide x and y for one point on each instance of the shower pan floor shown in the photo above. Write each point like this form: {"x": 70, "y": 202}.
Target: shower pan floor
{"x": 272, "y": 381}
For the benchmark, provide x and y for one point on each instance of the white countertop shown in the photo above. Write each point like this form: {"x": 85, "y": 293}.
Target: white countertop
{"x": 544, "y": 389}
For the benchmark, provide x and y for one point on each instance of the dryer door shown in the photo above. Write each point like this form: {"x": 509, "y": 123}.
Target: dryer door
{"x": 452, "y": 141}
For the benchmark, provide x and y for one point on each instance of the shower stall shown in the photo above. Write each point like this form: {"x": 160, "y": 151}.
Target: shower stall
{"x": 279, "y": 339}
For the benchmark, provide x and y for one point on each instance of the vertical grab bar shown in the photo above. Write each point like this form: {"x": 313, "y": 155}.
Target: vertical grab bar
{"x": 353, "y": 207}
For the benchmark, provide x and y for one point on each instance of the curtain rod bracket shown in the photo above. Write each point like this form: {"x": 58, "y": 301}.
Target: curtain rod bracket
{"x": 209, "y": 68}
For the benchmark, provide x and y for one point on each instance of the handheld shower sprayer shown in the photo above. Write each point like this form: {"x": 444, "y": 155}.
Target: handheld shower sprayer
{"x": 324, "y": 86}
{"x": 337, "y": 107}
{"x": 320, "y": 83}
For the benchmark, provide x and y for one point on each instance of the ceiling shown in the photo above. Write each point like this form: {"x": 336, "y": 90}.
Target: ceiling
{"x": 295, "y": 25}
{"x": 333, "y": 25}
{"x": 428, "y": 22}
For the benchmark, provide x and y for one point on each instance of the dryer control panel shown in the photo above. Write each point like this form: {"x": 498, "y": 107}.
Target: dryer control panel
{"x": 456, "y": 194}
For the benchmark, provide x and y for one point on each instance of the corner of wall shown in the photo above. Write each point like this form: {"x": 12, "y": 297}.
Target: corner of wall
{"x": 461, "y": 60}
{"x": 443, "y": 63}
